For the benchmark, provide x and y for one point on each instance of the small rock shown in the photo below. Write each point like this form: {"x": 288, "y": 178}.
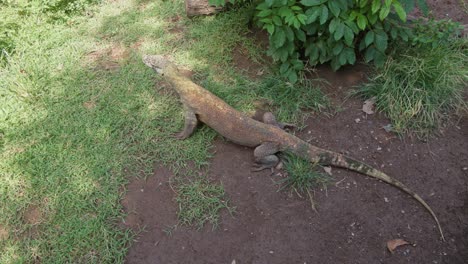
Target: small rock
{"x": 386, "y": 199}
{"x": 271, "y": 252}
{"x": 357, "y": 120}
{"x": 388, "y": 128}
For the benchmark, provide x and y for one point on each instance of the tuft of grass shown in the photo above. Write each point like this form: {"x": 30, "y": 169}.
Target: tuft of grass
{"x": 200, "y": 202}
{"x": 420, "y": 88}
{"x": 302, "y": 174}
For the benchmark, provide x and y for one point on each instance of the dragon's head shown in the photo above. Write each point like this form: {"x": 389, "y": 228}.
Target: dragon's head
{"x": 159, "y": 63}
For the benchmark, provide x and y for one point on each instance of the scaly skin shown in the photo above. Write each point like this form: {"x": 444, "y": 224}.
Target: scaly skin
{"x": 267, "y": 138}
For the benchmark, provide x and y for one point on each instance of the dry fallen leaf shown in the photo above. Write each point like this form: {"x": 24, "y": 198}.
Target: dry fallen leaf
{"x": 328, "y": 170}
{"x": 369, "y": 105}
{"x": 394, "y": 243}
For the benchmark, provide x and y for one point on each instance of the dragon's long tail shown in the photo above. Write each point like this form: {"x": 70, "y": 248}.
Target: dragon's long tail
{"x": 325, "y": 157}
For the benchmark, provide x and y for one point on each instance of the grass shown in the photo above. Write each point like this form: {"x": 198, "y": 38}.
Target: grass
{"x": 80, "y": 115}
{"x": 420, "y": 88}
{"x": 200, "y": 202}
{"x": 274, "y": 94}
{"x": 302, "y": 175}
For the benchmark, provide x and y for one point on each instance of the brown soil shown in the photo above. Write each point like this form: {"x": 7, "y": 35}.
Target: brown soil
{"x": 456, "y": 10}
{"x": 109, "y": 59}
{"x": 356, "y": 215}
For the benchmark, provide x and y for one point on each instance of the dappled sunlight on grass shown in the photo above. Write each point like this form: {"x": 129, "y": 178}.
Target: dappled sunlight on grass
{"x": 80, "y": 106}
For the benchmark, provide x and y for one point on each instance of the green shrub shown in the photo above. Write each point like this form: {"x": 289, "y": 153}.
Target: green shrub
{"x": 321, "y": 31}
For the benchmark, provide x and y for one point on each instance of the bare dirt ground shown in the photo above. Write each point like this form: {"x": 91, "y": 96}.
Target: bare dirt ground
{"x": 356, "y": 215}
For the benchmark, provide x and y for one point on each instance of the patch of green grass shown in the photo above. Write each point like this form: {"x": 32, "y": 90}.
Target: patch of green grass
{"x": 80, "y": 114}
{"x": 288, "y": 102}
{"x": 420, "y": 88}
{"x": 302, "y": 174}
{"x": 200, "y": 202}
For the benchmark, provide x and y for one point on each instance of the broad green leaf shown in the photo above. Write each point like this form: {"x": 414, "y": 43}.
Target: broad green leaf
{"x": 348, "y": 36}
{"x": 300, "y": 35}
{"x": 370, "y": 54}
{"x": 334, "y": 8}
{"x": 388, "y": 3}
{"x": 372, "y": 18}
{"x": 335, "y": 64}
{"x": 324, "y": 15}
{"x": 352, "y": 26}
{"x": 302, "y": 18}
{"x": 369, "y": 38}
{"x": 283, "y": 54}
{"x": 384, "y": 12}
{"x": 333, "y": 24}
{"x": 361, "y": 21}
{"x": 323, "y": 57}
{"x": 264, "y": 13}
{"x": 296, "y": 23}
{"x": 270, "y": 28}
{"x": 350, "y": 55}
{"x": 339, "y": 32}
{"x": 381, "y": 41}
{"x": 338, "y": 48}
{"x": 298, "y": 65}
{"x": 312, "y": 14}
{"x": 262, "y": 6}
{"x": 342, "y": 58}
{"x": 296, "y": 8}
{"x": 279, "y": 37}
{"x": 277, "y": 21}
{"x": 313, "y": 2}
{"x": 362, "y": 45}
{"x": 289, "y": 33}
{"x": 311, "y": 29}
{"x": 284, "y": 11}
{"x": 314, "y": 55}
{"x": 400, "y": 11}
{"x": 292, "y": 77}
{"x": 375, "y": 6}
{"x": 379, "y": 59}
{"x": 269, "y": 3}
{"x": 284, "y": 67}
{"x": 362, "y": 3}
{"x": 290, "y": 20}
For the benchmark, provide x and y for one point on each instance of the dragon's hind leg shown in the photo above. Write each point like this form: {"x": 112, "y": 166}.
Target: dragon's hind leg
{"x": 270, "y": 119}
{"x": 265, "y": 156}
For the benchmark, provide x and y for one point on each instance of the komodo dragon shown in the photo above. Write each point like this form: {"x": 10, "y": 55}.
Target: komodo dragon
{"x": 267, "y": 138}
